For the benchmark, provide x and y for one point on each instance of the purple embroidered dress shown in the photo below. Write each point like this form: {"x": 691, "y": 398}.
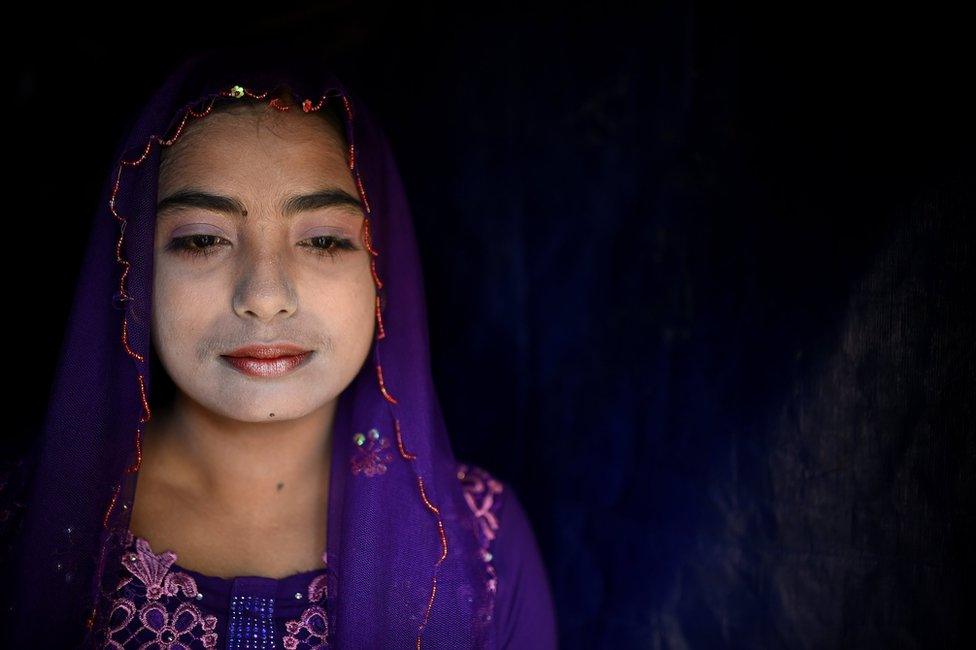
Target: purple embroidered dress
{"x": 162, "y": 604}
{"x": 422, "y": 550}
{"x": 167, "y": 605}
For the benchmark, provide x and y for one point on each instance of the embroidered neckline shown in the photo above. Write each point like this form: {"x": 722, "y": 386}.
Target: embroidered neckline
{"x": 171, "y": 558}
{"x": 156, "y": 599}
{"x": 155, "y": 605}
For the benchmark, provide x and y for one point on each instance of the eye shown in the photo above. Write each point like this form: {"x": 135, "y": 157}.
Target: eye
{"x": 206, "y": 245}
{"x": 194, "y": 244}
{"x": 330, "y": 245}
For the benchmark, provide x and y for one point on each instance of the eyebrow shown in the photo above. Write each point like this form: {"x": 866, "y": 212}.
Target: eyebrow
{"x": 191, "y": 197}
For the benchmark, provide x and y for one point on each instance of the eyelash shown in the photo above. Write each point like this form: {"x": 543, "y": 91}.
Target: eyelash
{"x": 182, "y": 245}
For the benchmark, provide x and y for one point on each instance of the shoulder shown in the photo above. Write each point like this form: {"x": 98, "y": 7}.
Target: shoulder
{"x": 524, "y": 610}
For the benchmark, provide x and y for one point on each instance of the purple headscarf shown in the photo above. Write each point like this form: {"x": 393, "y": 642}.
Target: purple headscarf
{"x": 409, "y": 558}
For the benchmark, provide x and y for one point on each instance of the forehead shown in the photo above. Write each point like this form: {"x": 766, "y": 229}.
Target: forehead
{"x": 257, "y": 141}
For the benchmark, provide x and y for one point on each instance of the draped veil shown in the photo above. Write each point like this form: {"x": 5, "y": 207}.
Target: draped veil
{"x": 410, "y": 564}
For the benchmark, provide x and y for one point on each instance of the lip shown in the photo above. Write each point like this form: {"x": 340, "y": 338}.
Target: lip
{"x": 267, "y": 350}
{"x": 277, "y": 367}
{"x": 267, "y": 360}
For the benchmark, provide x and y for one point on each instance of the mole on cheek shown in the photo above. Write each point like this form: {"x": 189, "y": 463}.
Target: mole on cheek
{"x": 280, "y": 485}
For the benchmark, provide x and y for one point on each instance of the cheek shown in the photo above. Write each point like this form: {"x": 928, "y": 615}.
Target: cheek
{"x": 363, "y": 302}
{"x": 180, "y": 308}
{"x": 347, "y": 307}
{"x": 181, "y": 286}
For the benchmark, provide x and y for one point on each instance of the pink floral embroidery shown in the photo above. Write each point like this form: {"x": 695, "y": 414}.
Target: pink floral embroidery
{"x": 153, "y": 571}
{"x": 153, "y": 625}
{"x": 480, "y": 489}
{"x": 179, "y": 630}
{"x": 371, "y": 455}
{"x": 310, "y": 631}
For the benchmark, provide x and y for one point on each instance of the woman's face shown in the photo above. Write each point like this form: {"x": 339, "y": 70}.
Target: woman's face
{"x": 289, "y": 269}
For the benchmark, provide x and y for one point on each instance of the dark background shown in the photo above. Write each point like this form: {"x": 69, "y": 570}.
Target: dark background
{"x": 699, "y": 284}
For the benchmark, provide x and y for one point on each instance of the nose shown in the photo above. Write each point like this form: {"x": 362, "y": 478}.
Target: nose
{"x": 265, "y": 288}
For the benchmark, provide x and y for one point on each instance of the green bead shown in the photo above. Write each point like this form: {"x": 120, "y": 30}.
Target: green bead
{"x": 359, "y": 438}
{"x": 237, "y": 91}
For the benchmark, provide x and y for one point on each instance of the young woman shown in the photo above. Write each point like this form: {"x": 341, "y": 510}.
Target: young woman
{"x": 244, "y": 446}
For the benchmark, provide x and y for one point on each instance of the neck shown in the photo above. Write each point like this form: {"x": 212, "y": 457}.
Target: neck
{"x": 243, "y": 469}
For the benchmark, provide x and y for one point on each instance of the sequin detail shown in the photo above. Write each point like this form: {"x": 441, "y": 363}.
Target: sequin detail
{"x": 480, "y": 492}
{"x": 371, "y": 455}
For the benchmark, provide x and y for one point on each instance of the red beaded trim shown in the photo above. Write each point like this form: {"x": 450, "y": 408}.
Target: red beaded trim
{"x": 307, "y": 106}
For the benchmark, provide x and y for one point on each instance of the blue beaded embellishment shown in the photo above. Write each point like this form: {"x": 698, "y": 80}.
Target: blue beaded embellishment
{"x": 251, "y": 623}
